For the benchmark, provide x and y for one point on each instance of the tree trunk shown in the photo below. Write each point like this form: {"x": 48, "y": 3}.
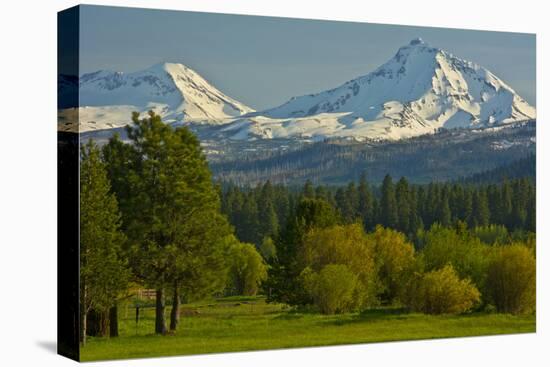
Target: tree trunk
{"x": 175, "y": 312}
{"x": 97, "y": 323}
{"x": 160, "y": 321}
{"x": 103, "y": 323}
{"x": 113, "y": 321}
{"x": 83, "y": 317}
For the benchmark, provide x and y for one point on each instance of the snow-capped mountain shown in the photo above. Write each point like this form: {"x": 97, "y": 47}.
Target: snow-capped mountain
{"x": 175, "y": 91}
{"x": 418, "y": 91}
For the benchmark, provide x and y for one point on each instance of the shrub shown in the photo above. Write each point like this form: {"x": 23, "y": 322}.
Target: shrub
{"x": 511, "y": 279}
{"x": 345, "y": 245}
{"x": 466, "y": 253}
{"x": 441, "y": 292}
{"x": 247, "y": 269}
{"x": 332, "y": 289}
{"x": 395, "y": 260}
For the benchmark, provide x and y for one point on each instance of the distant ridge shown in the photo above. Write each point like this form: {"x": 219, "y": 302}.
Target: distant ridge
{"x": 521, "y": 168}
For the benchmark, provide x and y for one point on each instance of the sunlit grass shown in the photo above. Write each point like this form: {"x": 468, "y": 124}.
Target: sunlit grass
{"x": 240, "y": 324}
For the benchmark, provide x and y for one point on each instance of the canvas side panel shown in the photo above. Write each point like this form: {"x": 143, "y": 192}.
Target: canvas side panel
{"x": 68, "y": 185}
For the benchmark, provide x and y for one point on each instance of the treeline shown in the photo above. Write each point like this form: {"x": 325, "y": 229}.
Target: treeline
{"x": 259, "y": 213}
{"x": 524, "y": 167}
{"x": 150, "y": 218}
{"x": 437, "y": 248}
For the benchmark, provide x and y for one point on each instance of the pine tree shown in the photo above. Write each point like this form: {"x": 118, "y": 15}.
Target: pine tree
{"x": 103, "y": 265}
{"x": 505, "y": 208}
{"x": 520, "y": 201}
{"x": 403, "y": 201}
{"x": 250, "y": 229}
{"x": 308, "y": 191}
{"x": 388, "y": 204}
{"x": 445, "y": 215}
{"x": 415, "y": 221}
{"x": 283, "y": 284}
{"x": 469, "y": 207}
{"x": 173, "y": 214}
{"x": 366, "y": 204}
{"x": 347, "y": 200}
{"x": 321, "y": 192}
{"x": 480, "y": 212}
{"x": 267, "y": 217}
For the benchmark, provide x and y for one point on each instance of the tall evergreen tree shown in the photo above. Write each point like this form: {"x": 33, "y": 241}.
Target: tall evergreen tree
{"x": 480, "y": 211}
{"x": 103, "y": 266}
{"x": 388, "y": 204}
{"x": 267, "y": 216}
{"x": 173, "y": 215}
{"x": 520, "y": 200}
{"x": 505, "y": 207}
{"x": 308, "y": 191}
{"x": 444, "y": 213}
{"x": 468, "y": 207}
{"x": 283, "y": 284}
{"x": 366, "y": 204}
{"x": 403, "y": 200}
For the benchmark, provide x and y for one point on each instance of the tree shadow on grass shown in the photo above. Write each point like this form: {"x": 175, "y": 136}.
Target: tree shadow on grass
{"x": 297, "y": 312}
{"x": 375, "y": 314}
{"x": 289, "y": 316}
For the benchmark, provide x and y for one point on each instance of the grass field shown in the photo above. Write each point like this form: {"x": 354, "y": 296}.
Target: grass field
{"x": 241, "y": 324}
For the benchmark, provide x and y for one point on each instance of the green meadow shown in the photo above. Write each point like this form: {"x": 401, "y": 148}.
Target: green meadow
{"x": 249, "y": 323}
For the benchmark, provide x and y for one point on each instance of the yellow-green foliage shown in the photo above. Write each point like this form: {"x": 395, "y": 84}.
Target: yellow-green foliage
{"x": 247, "y": 268}
{"x": 511, "y": 279}
{"x": 466, "y": 253}
{"x": 441, "y": 292}
{"x": 344, "y": 245}
{"x": 333, "y": 289}
{"x": 492, "y": 234}
{"x": 267, "y": 249}
{"x": 395, "y": 260}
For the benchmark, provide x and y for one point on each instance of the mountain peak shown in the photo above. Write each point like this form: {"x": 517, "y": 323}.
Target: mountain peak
{"x": 170, "y": 68}
{"x": 176, "y": 91}
{"x": 418, "y": 91}
{"x": 417, "y": 41}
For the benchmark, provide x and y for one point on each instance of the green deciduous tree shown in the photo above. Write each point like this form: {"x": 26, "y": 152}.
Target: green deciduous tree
{"x": 492, "y": 234}
{"x": 511, "y": 279}
{"x": 395, "y": 261}
{"x": 268, "y": 250}
{"x": 468, "y": 256}
{"x": 345, "y": 245}
{"x": 332, "y": 289}
{"x": 283, "y": 284}
{"x": 247, "y": 269}
{"x": 442, "y": 292}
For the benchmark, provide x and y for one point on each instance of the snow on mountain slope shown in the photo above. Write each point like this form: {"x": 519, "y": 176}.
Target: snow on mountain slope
{"x": 418, "y": 91}
{"x": 175, "y": 91}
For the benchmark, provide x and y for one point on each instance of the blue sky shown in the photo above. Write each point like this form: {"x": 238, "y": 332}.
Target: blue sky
{"x": 263, "y": 61}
